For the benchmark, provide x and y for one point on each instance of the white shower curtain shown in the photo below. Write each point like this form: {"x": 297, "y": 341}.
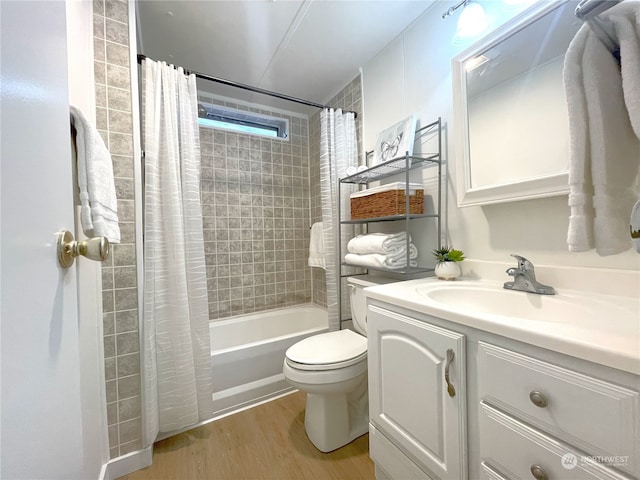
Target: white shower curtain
{"x": 338, "y": 151}
{"x": 177, "y": 381}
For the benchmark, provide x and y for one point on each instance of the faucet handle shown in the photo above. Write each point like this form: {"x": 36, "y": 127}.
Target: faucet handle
{"x": 523, "y": 264}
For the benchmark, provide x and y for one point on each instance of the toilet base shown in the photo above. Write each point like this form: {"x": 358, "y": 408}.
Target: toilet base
{"x": 334, "y": 420}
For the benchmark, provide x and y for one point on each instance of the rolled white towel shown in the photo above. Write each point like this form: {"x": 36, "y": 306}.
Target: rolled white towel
{"x": 377, "y": 260}
{"x": 377, "y": 243}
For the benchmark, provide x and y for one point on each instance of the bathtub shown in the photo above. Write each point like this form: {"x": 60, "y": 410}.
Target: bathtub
{"x": 247, "y": 352}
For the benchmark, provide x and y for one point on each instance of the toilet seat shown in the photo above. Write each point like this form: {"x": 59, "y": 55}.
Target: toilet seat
{"x": 328, "y": 351}
{"x": 327, "y": 366}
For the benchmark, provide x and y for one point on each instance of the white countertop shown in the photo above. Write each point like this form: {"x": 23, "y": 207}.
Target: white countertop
{"x": 609, "y": 333}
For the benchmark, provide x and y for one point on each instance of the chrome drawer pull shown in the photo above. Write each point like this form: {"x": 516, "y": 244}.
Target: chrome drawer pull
{"x": 538, "y": 399}
{"x": 538, "y": 473}
{"x": 450, "y": 389}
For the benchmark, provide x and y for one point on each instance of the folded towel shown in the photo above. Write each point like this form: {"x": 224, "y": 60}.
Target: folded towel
{"x": 376, "y": 260}
{"x": 399, "y": 253}
{"x": 316, "y": 246}
{"x": 603, "y": 149}
{"x": 377, "y": 243}
{"x": 99, "y": 206}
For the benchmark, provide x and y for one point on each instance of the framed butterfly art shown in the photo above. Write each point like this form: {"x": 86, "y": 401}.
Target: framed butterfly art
{"x": 395, "y": 141}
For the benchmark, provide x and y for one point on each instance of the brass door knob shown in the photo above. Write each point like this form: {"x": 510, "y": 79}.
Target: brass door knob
{"x": 96, "y": 248}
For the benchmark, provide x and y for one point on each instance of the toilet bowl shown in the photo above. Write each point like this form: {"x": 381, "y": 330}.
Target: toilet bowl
{"x": 331, "y": 368}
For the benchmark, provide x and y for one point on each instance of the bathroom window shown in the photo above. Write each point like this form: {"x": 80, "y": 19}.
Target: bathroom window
{"x": 225, "y": 118}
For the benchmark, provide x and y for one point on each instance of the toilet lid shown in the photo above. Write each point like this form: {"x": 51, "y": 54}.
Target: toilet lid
{"x": 340, "y": 347}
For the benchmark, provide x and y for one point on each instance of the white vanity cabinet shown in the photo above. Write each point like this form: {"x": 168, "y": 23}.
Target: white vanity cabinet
{"x": 417, "y": 391}
{"x": 520, "y": 412}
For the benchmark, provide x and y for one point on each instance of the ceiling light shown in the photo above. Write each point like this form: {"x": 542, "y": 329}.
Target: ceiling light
{"x": 472, "y": 22}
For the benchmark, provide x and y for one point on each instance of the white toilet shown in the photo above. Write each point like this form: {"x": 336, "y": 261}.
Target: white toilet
{"x": 332, "y": 369}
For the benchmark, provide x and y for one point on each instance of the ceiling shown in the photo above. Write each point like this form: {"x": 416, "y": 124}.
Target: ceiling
{"x": 308, "y": 49}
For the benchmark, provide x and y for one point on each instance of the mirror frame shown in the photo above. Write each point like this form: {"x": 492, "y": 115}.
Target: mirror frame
{"x": 553, "y": 184}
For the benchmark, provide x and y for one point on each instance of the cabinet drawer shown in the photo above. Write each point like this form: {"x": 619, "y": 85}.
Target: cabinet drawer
{"x": 487, "y": 472}
{"x": 514, "y": 448}
{"x": 390, "y": 459}
{"x": 596, "y": 416}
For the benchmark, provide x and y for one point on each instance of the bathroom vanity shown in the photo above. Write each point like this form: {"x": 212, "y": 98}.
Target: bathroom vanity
{"x": 468, "y": 380}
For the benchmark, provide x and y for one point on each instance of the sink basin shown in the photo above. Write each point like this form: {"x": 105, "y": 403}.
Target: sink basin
{"x": 490, "y": 299}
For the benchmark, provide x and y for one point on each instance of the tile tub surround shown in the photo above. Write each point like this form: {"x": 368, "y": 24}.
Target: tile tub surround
{"x": 255, "y": 206}
{"x": 119, "y": 282}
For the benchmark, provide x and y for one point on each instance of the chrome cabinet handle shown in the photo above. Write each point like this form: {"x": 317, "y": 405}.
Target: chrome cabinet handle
{"x": 96, "y": 248}
{"x": 538, "y": 473}
{"x": 538, "y": 399}
{"x": 450, "y": 357}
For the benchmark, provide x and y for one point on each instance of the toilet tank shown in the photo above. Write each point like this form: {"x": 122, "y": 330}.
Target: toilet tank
{"x": 358, "y": 300}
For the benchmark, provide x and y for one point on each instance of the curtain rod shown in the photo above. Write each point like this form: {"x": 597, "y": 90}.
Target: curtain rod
{"x": 243, "y": 86}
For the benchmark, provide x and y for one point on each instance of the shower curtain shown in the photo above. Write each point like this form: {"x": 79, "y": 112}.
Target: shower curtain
{"x": 338, "y": 151}
{"x": 177, "y": 381}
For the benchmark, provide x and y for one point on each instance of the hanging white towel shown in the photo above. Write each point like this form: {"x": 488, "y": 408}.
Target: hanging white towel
{"x": 382, "y": 243}
{"x": 99, "y": 207}
{"x": 604, "y": 151}
{"x": 316, "y": 246}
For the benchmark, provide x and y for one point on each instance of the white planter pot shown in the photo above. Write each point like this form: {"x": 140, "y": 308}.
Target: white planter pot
{"x": 448, "y": 270}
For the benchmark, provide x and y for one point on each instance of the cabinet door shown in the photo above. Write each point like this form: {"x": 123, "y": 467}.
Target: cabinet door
{"x": 409, "y": 398}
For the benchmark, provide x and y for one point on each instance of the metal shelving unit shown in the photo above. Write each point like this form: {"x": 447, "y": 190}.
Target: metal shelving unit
{"x": 396, "y": 166}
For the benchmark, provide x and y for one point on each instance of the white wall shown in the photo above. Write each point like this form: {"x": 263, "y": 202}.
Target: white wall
{"x": 413, "y": 75}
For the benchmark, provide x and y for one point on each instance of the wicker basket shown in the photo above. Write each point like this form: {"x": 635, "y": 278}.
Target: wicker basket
{"x": 386, "y": 201}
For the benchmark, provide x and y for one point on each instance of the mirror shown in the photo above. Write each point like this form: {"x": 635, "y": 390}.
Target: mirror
{"x": 512, "y": 130}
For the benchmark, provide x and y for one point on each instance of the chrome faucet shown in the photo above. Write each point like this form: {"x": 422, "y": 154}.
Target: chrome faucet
{"x": 524, "y": 278}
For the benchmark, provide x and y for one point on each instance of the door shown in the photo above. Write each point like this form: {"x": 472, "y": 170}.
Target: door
{"x": 44, "y": 432}
{"x": 417, "y": 390}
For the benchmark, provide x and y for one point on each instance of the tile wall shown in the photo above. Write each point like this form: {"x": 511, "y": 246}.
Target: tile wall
{"x": 119, "y": 293}
{"x": 349, "y": 99}
{"x": 255, "y": 206}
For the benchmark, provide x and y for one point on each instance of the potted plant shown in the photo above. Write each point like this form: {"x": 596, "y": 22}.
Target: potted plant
{"x": 447, "y": 267}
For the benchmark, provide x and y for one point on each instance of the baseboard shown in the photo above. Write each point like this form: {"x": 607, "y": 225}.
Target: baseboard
{"x": 126, "y": 464}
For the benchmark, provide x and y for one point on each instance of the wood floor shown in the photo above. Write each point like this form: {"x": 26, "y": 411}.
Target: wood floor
{"x": 262, "y": 443}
